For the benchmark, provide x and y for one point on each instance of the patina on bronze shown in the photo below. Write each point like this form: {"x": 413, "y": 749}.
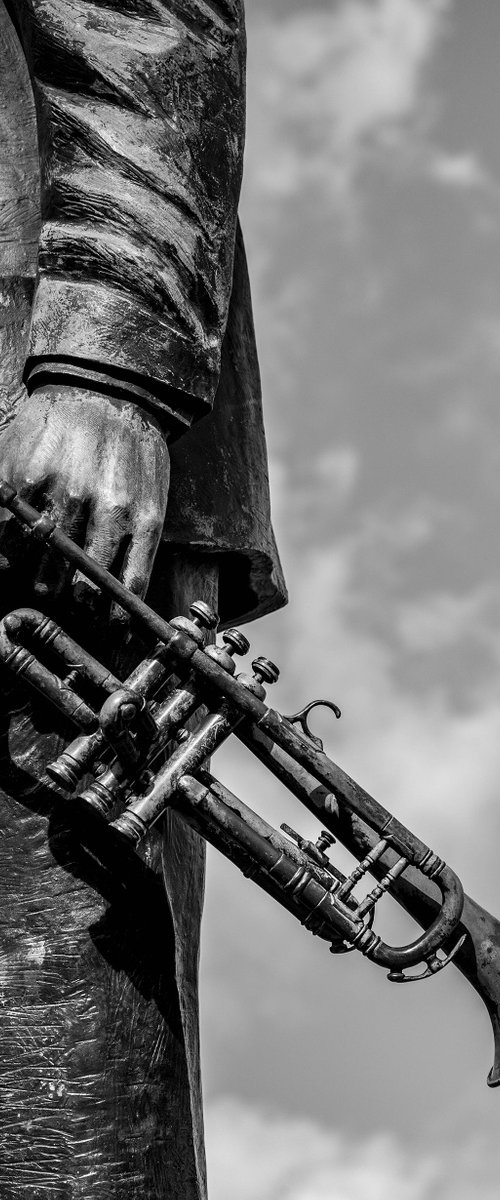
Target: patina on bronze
{"x": 144, "y": 776}
{"x": 139, "y": 733}
{"x": 125, "y": 318}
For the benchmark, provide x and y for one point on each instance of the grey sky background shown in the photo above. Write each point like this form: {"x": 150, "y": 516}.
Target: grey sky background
{"x": 371, "y": 208}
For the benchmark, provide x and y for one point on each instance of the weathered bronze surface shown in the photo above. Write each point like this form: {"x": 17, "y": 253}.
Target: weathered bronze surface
{"x": 130, "y": 194}
{"x": 140, "y": 717}
{"x": 131, "y": 782}
{"x": 126, "y": 316}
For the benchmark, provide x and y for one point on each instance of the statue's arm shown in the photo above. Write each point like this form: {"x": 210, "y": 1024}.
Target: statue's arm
{"x": 141, "y": 121}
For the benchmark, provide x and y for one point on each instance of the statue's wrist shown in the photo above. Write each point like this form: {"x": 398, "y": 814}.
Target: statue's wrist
{"x": 77, "y": 378}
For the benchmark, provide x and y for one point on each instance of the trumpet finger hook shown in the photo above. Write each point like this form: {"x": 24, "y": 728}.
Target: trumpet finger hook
{"x": 300, "y": 718}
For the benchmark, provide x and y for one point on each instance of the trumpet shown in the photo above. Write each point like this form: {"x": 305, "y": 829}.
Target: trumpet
{"x": 134, "y": 757}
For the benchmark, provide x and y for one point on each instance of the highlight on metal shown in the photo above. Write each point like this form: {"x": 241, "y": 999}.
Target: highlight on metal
{"x": 134, "y": 757}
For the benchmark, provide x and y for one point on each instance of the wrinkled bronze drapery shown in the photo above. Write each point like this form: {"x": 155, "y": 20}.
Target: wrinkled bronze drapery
{"x": 126, "y": 727}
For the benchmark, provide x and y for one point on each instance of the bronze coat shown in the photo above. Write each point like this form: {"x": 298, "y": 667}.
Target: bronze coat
{"x": 141, "y": 265}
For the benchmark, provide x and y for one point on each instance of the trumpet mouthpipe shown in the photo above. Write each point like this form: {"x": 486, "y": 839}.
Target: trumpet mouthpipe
{"x": 313, "y": 795}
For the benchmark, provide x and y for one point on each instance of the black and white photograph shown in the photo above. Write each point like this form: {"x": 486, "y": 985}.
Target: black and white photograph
{"x": 249, "y": 600}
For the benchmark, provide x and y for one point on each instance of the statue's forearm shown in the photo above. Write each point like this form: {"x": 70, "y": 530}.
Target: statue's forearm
{"x": 141, "y": 171}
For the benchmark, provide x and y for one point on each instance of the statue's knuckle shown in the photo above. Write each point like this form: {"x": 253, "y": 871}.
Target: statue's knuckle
{"x": 28, "y": 479}
{"x": 151, "y": 524}
{"x": 117, "y": 497}
{"x": 74, "y": 498}
{"x": 136, "y": 584}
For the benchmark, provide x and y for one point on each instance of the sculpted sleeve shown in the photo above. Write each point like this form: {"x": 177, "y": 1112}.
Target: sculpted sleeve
{"x": 140, "y": 107}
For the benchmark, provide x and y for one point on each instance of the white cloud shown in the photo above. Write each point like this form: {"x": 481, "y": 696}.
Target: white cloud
{"x": 435, "y": 764}
{"x": 457, "y": 170}
{"x": 429, "y": 753}
{"x": 337, "y": 468}
{"x": 327, "y": 483}
{"x": 443, "y": 619}
{"x": 485, "y": 340}
{"x": 272, "y": 994}
{"x": 421, "y": 755}
{"x": 267, "y": 986}
{"x": 334, "y": 87}
{"x": 257, "y": 1154}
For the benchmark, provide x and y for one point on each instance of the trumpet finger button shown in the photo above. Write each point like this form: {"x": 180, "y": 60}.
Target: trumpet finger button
{"x": 237, "y": 641}
{"x": 265, "y": 670}
{"x": 203, "y": 615}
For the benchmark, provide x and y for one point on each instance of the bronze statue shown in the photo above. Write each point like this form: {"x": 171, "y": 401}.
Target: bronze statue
{"x": 128, "y": 353}
{"x": 131, "y": 418}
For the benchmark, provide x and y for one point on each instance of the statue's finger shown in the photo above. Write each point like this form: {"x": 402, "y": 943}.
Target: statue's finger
{"x": 138, "y": 565}
{"x": 55, "y": 572}
{"x": 106, "y": 542}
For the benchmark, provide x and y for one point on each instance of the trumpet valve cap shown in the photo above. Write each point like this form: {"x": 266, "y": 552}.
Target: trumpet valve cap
{"x": 130, "y": 827}
{"x": 63, "y": 772}
{"x": 99, "y": 799}
{"x": 236, "y": 641}
{"x": 265, "y": 670}
{"x": 127, "y": 712}
{"x": 203, "y": 615}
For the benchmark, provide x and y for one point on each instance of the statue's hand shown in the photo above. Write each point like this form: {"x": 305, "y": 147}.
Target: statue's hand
{"x": 100, "y": 469}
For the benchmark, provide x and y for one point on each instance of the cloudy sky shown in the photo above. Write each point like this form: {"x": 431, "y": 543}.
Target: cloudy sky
{"x": 372, "y": 215}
